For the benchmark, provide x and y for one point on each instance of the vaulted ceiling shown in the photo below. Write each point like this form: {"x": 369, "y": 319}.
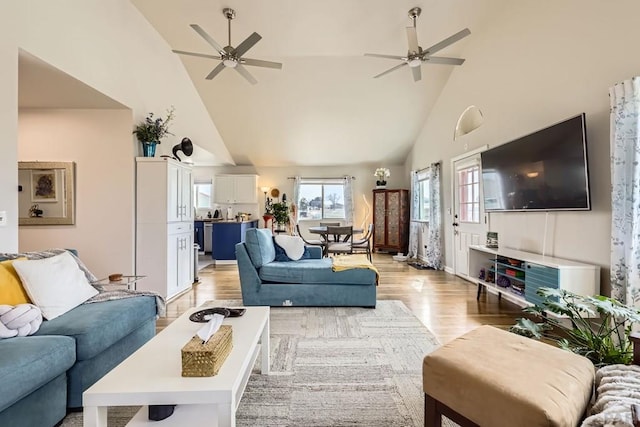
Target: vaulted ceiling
{"x": 324, "y": 107}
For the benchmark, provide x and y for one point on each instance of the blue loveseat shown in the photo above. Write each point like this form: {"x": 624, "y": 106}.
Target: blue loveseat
{"x": 306, "y": 282}
{"x": 42, "y": 376}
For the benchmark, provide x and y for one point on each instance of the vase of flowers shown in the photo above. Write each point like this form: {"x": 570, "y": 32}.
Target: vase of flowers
{"x": 381, "y": 175}
{"x": 150, "y": 131}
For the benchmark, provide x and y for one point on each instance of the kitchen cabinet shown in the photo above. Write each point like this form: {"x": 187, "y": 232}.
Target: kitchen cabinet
{"x": 230, "y": 189}
{"x": 164, "y": 225}
{"x": 226, "y": 234}
{"x": 391, "y": 220}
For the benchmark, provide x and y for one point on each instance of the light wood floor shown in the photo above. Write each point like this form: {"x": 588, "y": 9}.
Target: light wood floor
{"x": 446, "y": 304}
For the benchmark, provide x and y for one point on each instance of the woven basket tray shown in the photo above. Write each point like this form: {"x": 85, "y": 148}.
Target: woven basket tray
{"x": 205, "y": 360}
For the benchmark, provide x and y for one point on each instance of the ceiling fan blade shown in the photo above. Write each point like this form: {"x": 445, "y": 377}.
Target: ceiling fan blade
{"x": 215, "y": 71}
{"x": 412, "y": 37}
{"x": 208, "y": 38}
{"x": 201, "y": 55}
{"x": 446, "y": 42}
{"x": 377, "y": 55}
{"x": 390, "y": 70}
{"x": 247, "y": 44}
{"x": 244, "y": 73}
{"x": 443, "y": 60}
{"x": 417, "y": 74}
{"x": 261, "y": 63}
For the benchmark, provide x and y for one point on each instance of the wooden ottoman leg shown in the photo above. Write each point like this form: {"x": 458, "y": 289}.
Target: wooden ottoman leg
{"x": 431, "y": 416}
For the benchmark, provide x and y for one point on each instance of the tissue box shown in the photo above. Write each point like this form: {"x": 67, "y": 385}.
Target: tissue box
{"x": 205, "y": 360}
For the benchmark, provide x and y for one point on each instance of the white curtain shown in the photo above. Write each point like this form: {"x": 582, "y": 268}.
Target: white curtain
{"x": 414, "y": 226}
{"x": 293, "y": 213}
{"x": 348, "y": 199}
{"x": 625, "y": 192}
{"x": 434, "y": 241}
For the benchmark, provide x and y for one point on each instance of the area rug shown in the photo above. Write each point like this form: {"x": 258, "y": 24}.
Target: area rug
{"x": 334, "y": 367}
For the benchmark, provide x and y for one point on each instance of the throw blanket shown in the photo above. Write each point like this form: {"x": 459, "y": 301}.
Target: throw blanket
{"x": 19, "y": 321}
{"x": 618, "y": 387}
{"x": 347, "y": 262}
{"x": 109, "y": 295}
{"x": 104, "y": 295}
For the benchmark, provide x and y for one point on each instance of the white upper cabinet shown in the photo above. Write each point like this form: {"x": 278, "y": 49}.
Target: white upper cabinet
{"x": 236, "y": 189}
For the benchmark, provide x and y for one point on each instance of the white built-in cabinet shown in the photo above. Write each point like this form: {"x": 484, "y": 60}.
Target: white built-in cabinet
{"x": 236, "y": 189}
{"x": 164, "y": 225}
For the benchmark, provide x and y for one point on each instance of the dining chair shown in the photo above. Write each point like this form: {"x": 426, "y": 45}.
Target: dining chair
{"x": 311, "y": 242}
{"x": 329, "y": 237}
{"x": 340, "y": 246}
{"x": 363, "y": 245}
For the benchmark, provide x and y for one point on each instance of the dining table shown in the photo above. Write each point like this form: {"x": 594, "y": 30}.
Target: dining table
{"x": 322, "y": 230}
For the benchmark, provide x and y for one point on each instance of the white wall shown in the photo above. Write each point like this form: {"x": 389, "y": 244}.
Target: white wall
{"x": 539, "y": 63}
{"x": 277, "y": 177}
{"x": 97, "y": 141}
{"x": 112, "y": 48}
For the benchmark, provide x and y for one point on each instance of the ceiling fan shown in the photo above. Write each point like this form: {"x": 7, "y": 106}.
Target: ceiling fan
{"x": 416, "y": 55}
{"x": 231, "y": 57}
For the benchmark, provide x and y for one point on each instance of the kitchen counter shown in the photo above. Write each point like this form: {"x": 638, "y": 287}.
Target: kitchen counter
{"x": 222, "y": 220}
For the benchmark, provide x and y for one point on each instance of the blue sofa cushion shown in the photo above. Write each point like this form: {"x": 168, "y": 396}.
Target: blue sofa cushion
{"x": 281, "y": 254}
{"x": 259, "y": 243}
{"x": 97, "y": 326}
{"x": 28, "y": 363}
{"x": 312, "y": 272}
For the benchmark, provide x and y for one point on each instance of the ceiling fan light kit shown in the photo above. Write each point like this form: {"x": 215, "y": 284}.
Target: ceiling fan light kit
{"x": 416, "y": 56}
{"x": 231, "y": 57}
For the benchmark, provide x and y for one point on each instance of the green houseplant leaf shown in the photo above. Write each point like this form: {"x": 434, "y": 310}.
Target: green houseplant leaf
{"x": 596, "y": 327}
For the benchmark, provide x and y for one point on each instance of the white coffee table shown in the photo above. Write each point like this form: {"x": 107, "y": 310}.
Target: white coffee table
{"x": 153, "y": 376}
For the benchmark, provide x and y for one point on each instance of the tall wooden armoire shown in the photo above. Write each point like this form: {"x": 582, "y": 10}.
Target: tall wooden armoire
{"x": 391, "y": 220}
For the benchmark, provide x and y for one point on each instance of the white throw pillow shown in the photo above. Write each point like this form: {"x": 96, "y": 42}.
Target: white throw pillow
{"x": 56, "y": 284}
{"x": 293, "y": 245}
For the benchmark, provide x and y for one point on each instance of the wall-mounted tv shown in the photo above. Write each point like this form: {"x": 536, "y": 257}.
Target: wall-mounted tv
{"x": 543, "y": 171}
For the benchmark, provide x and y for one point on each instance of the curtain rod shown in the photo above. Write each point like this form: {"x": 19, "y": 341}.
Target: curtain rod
{"x": 305, "y": 177}
{"x": 424, "y": 169}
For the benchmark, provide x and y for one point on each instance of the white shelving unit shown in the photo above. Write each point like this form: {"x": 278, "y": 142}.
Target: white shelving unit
{"x": 525, "y": 272}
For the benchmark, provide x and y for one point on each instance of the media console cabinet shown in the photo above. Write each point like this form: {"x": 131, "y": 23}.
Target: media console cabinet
{"x": 519, "y": 274}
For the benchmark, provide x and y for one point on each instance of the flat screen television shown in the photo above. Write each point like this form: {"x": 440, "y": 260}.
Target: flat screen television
{"x": 543, "y": 171}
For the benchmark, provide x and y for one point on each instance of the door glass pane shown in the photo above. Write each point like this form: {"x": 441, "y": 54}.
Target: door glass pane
{"x": 469, "y": 194}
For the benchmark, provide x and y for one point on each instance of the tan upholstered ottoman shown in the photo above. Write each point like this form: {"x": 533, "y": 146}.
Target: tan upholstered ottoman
{"x": 491, "y": 378}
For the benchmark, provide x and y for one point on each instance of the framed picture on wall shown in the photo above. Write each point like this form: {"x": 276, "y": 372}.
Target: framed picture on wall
{"x": 43, "y": 186}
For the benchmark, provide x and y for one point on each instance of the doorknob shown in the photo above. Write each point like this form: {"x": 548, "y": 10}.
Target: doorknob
{"x": 455, "y": 224}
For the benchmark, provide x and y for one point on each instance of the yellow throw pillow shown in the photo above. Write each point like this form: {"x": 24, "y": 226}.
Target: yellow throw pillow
{"x": 11, "y": 290}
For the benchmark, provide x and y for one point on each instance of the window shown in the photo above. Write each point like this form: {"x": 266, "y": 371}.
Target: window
{"x": 202, "y": 193}
{"x": 424, "y": 190}
{"x": 321, "y": 199}
{"x": 469, "y": 193}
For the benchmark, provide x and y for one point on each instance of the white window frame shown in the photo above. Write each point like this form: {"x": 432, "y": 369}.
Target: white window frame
{"x": 198, "y": 183}
{"x": 322, "y": 182}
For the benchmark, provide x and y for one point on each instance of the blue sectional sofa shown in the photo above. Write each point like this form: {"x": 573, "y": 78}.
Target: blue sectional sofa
{"x": 43, "y": 375}
{"x": 306, "y": 282}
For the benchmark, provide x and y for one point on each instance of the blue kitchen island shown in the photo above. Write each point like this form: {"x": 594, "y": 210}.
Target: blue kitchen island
{"x": 225, "y": 236}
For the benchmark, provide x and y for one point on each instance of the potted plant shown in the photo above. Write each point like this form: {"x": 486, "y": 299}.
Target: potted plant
{"x": 150, "y": 131}
{"x": 604, "y": 340}
{"x": 280, "y": 212}
{"x": 382, "y": 174}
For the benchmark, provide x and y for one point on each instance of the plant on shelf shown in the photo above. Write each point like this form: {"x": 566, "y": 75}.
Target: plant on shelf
{"x": 604, "y": 340}
{"x": 151, "y": 130}
{"x": 381, "y": 175}
{"x": 280, "y": 212}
